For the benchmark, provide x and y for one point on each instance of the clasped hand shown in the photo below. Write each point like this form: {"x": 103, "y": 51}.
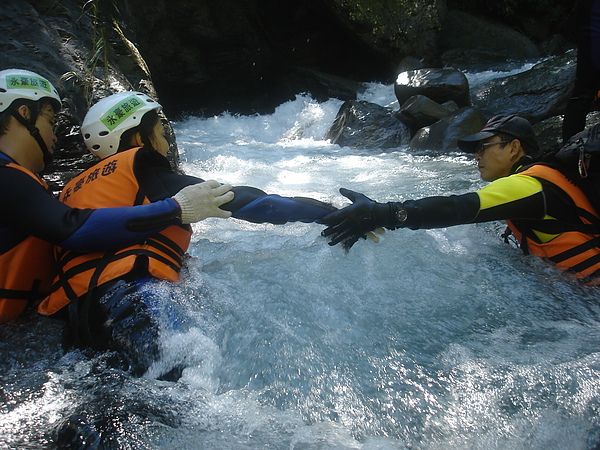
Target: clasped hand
{"x": 359, "y": 220}
{"x": 202, "y": 200}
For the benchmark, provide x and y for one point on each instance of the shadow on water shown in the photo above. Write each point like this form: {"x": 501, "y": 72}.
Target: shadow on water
{"x": 43, "y": 387}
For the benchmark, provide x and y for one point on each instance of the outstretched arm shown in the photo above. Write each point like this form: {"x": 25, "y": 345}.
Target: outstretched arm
{"x": 517, "y": 196}
{"x": 32, "y": 211}
{"x": 249, "y": 203}
{"x": 254, "y": 205}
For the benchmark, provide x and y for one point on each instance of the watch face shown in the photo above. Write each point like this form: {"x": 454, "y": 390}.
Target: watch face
{"x": 401, "y": 215}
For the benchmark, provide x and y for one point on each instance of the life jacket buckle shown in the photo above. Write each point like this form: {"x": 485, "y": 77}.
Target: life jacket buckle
{"x": 584, "y": 160}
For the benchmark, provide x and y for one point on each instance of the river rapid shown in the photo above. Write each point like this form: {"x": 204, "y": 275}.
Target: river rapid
{"x": 430, "y": 339}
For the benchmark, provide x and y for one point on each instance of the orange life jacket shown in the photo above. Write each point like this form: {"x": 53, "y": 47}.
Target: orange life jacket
{"x": 112, "y": 183}
{"x": 576, "y": 248}
{"x": 26, "y": 270}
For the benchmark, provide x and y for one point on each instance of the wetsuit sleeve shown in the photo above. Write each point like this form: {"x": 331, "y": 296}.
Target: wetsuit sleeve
{"x": 254, "y": 205}
{"x": 514, "y": 197}
{"x": 108, "y": 228}
{"x": 30, "y": 210}
{"x": 158, "y": 181}
{"x": 155, "y": 176}
{"x": 249, "y": 204}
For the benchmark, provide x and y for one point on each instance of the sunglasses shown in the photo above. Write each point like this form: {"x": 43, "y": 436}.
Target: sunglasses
{"x": 481, "y": 147}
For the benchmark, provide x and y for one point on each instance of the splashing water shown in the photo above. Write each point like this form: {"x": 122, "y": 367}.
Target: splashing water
{"x": 442, "y": 338}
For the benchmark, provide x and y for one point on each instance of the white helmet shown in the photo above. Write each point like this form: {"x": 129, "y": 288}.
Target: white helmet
{"x": 107, "y": 120}
{"x": 18, "y": 83}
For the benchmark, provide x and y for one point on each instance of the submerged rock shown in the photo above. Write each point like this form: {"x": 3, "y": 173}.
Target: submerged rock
{"x": 442, "y": 135}
{"x": 367, "y": 125}
{"x": 420, "y": 111}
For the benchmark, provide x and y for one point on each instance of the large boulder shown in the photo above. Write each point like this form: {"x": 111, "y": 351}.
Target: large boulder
{"x": 443, "y": 135}
{"x": 362, "y": 124}
{"x": 440, "y": 85}
{"x": 535, "y": 94}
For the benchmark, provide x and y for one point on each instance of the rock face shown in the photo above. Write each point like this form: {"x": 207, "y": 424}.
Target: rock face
{"x": 58, "y": 40}
{"x": 471, "y": 39}
{"x": 248, "y": 56}
{"x": 536, "y": 94}
{"x": 242, "y": 56}
{"x": 443, "y": 134}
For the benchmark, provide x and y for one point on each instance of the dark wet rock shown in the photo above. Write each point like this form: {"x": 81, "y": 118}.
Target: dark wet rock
{"x": 410, "y": 63}
{"x": 468, "y": 38}
{"x": 243, "y": 55}
{"x": 535, "y": 94}
{"x": 555, "y": 45}
{"x": 419, "y": 111}
{"x": 442, "y": 135}
{"x": 549, "y": 133}
{"x": 362, "y": 124}
{"x": 440, "y": 85}
{"x": 78, "y": 433}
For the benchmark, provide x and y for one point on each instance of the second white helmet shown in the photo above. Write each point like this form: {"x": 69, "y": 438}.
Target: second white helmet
{"x": 107, "y": 120}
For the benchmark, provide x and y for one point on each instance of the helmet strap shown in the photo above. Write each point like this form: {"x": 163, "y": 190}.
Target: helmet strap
{"x": 35, "y": 132}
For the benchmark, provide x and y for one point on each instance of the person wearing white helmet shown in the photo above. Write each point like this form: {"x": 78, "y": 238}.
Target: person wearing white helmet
{"x": 105, "y": 292}
{"x": 33, "y": 220}
{"x": 26, "y": 97}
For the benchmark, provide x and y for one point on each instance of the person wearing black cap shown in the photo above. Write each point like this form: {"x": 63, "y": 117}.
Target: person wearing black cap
{"x": 548, "y": 215}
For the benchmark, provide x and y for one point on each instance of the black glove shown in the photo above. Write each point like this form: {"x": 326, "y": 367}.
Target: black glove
{"x": 355, "y": 221}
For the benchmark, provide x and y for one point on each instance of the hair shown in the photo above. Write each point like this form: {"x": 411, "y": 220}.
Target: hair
{"x": 5, "y": 117}
{"x": 34, "y": 106}
{"x": 145, "y": 128}
{"x": 506, "y": 137}
{"x": 524, "y": 145}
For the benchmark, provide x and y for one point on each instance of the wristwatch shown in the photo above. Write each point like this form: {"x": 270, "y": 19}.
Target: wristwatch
{"x": 401, "y": 216}
{"x": 398, "y": 215}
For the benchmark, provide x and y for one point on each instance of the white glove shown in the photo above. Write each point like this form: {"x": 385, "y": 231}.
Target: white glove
{"x": 202, "y": 200}
{"x": 371, "y": 234}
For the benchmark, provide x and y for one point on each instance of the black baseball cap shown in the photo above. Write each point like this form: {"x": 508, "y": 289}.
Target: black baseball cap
{"x": 510, "y": 125}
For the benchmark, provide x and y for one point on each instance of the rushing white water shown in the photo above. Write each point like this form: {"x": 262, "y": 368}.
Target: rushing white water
{"x": 444, "y": 338}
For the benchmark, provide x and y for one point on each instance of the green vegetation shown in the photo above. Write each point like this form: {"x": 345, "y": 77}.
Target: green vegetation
{"x": 98, "y": 57}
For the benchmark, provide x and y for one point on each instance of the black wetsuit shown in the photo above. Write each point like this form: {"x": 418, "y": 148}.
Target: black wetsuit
{"x": 515, "y": 197}
{"x": 587, "y": 77}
